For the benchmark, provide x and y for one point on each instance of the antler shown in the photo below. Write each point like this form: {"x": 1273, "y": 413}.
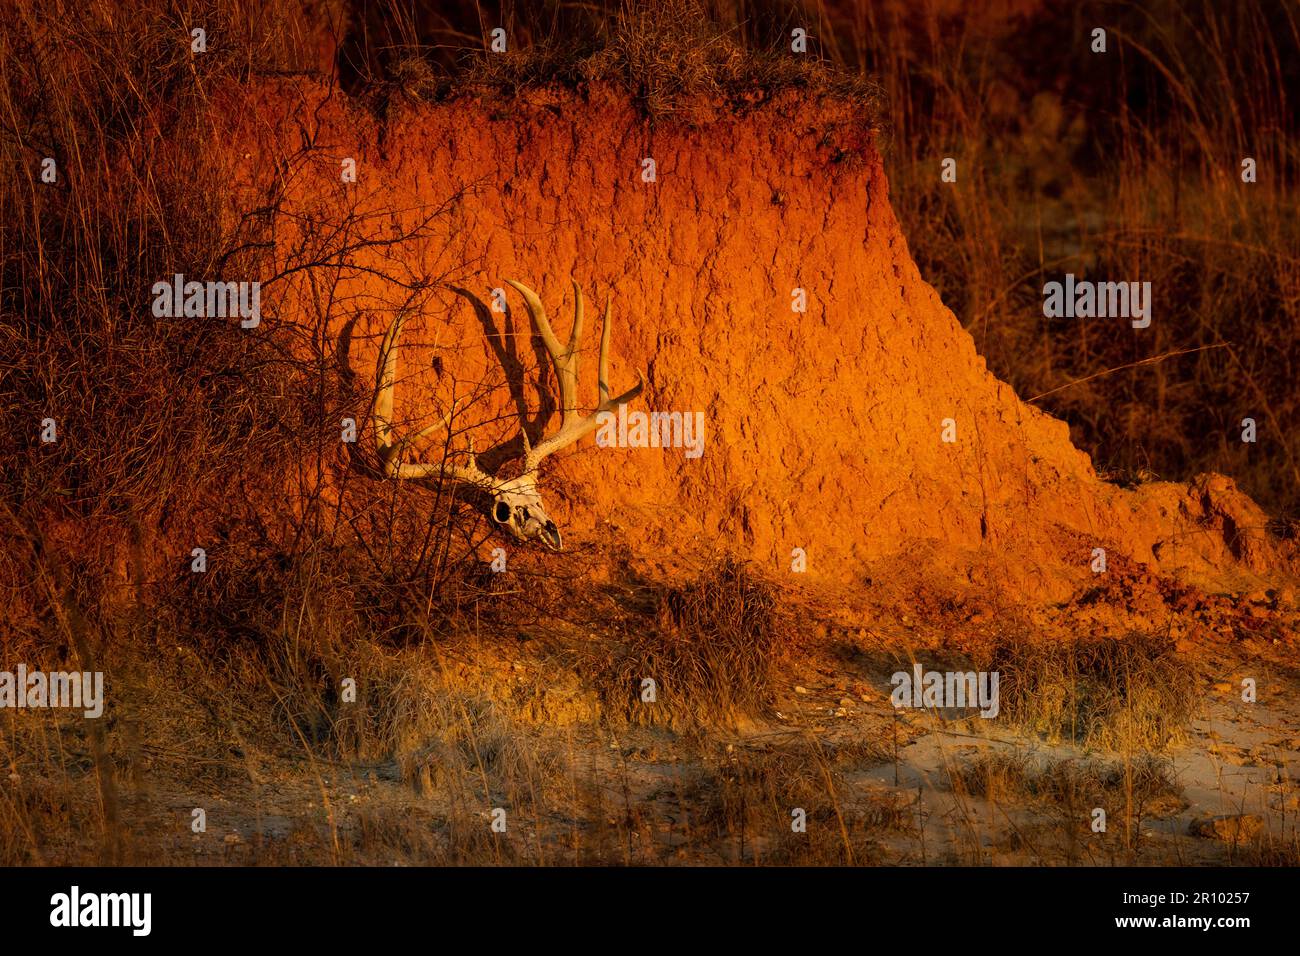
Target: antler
{"x": 573, "y": 426}
{"x": 392, "y": 449}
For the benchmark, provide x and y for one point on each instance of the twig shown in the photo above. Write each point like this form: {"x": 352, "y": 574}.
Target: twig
{"x": 1119, "y": 368}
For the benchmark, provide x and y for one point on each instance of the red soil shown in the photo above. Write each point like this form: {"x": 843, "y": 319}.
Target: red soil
{"x": 823, "y": 429}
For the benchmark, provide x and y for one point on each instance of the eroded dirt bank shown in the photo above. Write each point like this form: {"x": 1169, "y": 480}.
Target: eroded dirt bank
{"x": 824, "y": 429}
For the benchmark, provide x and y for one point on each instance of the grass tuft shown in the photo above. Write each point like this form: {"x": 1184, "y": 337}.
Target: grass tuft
{"x": 1133, "y": 694}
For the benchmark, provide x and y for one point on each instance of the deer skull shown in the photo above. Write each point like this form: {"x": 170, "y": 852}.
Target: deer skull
{"x": 515, "y": 504}
{"x": 518, "y": 508}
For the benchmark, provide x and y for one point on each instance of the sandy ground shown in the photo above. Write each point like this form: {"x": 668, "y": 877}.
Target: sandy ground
{"x": 650, "y": 796}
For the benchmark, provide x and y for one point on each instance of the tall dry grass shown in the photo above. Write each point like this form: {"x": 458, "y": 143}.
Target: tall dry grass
{"x": 710, "y": 659}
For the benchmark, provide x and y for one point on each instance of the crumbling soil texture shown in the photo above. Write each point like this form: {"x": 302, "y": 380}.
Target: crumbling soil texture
{"x": 824, "y": 428}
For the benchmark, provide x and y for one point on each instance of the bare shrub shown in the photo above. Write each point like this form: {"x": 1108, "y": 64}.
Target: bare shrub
{"x": 712, "y": 653}
{"x": 1132, "y": 694}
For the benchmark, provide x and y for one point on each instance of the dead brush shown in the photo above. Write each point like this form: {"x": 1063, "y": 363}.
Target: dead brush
{"x": 50, "y": 810}
{"x": 1273, "y": 850}
{"x": 154, "y": 414}
{"x": 755, "y": 796}
{"x": 674, "y": 58}
{"x": 712, "y": 652}
{"x": 409, "y": 707}
{"x": 1008, "y": 775}
{"x": 1132, "y": 694}
{"x": 1069, "y": 791}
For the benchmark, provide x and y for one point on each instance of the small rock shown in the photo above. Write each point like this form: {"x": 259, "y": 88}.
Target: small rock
{"x": 1232, "y": 828}
{"x": 846, "y": 702}
{"x": 1266, "y": 756}
{"x": 800, "y": 690}
{"x": 1166, "y": 805}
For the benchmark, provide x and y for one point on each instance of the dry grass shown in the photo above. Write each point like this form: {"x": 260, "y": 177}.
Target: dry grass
{"x": 150, "y": 413}
{"x": 1134, "y": 694}
{"x": 756, "y": 796}
{"x": 1063, "y": 797}
{"x": 1271, "y": 850}
{"x": 1010, "y": 776}
{"x": 677, "y": 59}
{"x": 712, "y": 652}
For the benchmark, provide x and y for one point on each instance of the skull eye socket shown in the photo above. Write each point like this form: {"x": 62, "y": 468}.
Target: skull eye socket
{"x": 501, "y": 512}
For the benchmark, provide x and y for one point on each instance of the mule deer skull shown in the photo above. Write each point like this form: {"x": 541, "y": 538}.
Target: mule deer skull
{"x": 515, "y": 503}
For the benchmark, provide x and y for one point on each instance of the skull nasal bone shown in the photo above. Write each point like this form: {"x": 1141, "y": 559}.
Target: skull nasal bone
{"x": 551, "y": 535}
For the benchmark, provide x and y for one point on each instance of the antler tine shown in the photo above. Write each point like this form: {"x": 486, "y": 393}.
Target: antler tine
{"x": 576, "y": 335}
{"x": 602, "y": 373}
{"x": 390, "y": 450}
{"x": 385, "y": 380}
{"x": 602, "y": 370}
{"x": 538, "y": 312}
{"x": 573, "y": 426}
{"x": 564, "y": 360}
